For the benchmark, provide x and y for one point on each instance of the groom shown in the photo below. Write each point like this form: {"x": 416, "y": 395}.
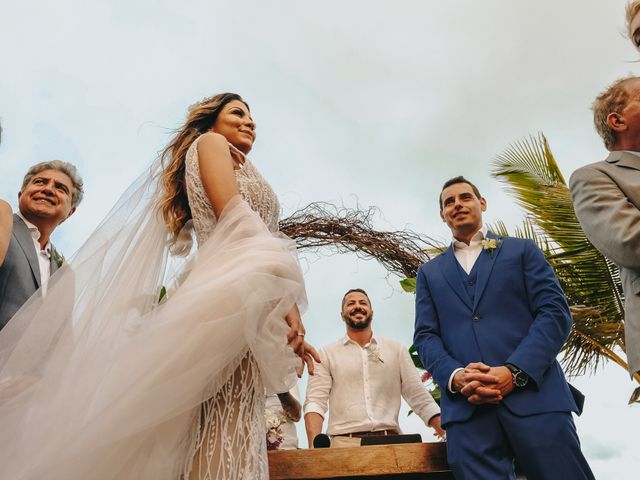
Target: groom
{"x": 490, "y": 320}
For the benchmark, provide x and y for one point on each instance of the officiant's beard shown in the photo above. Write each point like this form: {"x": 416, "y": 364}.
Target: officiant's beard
{"x": 355, "y": 324}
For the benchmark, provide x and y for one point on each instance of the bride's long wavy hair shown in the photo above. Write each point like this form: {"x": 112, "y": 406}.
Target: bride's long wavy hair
{"x": 173, "y": 201}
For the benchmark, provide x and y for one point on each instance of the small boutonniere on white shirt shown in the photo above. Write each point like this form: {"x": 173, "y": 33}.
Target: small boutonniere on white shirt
{"x": 374, "y": 354}
{"x": 490, "y": 244}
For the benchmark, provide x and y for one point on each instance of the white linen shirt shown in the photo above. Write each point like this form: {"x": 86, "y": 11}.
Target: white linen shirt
{"x": 361, "y": 386}
{"x": 44, "y": 255}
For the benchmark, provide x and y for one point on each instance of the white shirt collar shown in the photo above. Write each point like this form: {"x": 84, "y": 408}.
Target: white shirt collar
{"x": 477, "y": 238}
{"x": 35, "y": 234}
{"x": 346, "y": 339}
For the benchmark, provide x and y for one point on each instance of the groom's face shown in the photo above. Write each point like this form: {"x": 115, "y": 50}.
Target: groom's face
{"x": 462, "y": 209}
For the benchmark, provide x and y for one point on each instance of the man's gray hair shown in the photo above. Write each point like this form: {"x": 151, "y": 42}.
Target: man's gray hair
{"x": 65, "y": 167}
{"x": 612, "y": 100}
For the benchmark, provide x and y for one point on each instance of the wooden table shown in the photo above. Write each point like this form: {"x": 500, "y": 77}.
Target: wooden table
{"x": 401, "y": 461}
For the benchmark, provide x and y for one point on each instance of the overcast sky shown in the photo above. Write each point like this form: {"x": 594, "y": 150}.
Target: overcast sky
{"x": 356, "y": 102}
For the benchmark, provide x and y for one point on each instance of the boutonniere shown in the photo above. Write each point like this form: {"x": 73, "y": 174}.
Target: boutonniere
{"x": 57, "y": 257}
{"x": 490, "y": 244}
{"x": 374, "y": 354}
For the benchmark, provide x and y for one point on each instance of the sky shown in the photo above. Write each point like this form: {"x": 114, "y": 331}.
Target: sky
{"x": 356, "y": 103}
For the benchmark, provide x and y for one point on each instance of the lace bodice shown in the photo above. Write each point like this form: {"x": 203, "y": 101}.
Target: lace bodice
{"x": 253, "y": 187}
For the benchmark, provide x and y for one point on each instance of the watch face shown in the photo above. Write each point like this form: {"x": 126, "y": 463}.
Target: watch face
{"x": 520, "y": 379}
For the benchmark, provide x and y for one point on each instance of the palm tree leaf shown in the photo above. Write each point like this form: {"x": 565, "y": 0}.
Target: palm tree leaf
{"x": 590, "y": 282}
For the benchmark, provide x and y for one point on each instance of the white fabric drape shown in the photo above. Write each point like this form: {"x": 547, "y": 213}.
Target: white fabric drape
{"x": 99, "y": 381}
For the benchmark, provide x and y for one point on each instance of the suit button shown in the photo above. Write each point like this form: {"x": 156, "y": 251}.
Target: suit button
{"x": 471, "y": 283}
{"x": 476, "y": 318}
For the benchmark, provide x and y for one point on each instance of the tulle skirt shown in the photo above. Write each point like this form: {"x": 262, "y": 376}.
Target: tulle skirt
{"x": 99, "y": 380}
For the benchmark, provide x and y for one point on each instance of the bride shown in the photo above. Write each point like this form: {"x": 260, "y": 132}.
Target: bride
{"x": 114, "y": 376}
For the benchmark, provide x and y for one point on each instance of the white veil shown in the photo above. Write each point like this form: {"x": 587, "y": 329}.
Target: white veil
{"x": 100, "y": 381}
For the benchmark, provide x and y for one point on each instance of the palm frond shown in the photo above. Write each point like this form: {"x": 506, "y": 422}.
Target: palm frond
{"x": 591, "y": 282}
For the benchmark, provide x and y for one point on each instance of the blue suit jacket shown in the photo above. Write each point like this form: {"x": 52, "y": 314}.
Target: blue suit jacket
{"x": 519, "y": 316}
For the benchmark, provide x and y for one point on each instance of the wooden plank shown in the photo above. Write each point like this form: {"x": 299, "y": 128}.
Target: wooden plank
{"x": 400, "y": 460}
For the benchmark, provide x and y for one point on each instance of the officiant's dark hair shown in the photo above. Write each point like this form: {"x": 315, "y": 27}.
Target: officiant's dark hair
{"x": 453, "y": 181}
{"x": 359, "y": 290}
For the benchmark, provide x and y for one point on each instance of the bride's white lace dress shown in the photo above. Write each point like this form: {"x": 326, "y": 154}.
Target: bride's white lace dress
{"x": 98, "y": 381}
{"x": 230, "y": 442}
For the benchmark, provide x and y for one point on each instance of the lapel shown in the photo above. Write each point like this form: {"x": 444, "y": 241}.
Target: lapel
{"x": 624, "y": 159}
{"x": 486, "y": 261}
{"x": 24, "y": 239}
{"x": 449, "y": 267}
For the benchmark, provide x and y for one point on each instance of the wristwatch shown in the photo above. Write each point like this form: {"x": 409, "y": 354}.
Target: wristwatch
{"x": 520, "y": 379}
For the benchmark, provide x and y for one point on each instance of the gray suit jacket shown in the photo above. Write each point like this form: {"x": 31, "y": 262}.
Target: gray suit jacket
{"x": 20, "y": 272}
{"x": 606, "y": 197}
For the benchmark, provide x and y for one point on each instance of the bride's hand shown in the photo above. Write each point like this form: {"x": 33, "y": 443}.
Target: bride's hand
{"x": 295, "y": 339}
{"x": 309, "y": 355}
{"x": 238, "y": 157}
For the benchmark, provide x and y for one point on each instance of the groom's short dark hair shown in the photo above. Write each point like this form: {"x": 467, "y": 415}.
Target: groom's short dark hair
{"x": 453, "y": 181}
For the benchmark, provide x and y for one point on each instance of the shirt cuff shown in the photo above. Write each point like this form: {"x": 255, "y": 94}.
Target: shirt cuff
{"x": 450, "y": 384}
{"x": 315, "y": 408}
{"x": 431, "y": 411}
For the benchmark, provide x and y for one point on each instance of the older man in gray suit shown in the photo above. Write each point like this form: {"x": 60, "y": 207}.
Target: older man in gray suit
{"x": 606, "y": 196}
{"x": 50, "y": 193}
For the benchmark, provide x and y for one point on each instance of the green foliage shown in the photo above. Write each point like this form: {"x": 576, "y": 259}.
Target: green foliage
{"x": 430, "y": 384}
{"x": 163, "y": 294}
{"x": 414, "y": 356}
{"x": 408, "y": 285}
{"x": 590, "y": 282}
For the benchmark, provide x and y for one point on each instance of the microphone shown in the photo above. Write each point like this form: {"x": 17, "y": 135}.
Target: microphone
{"x": 321, "y": 441}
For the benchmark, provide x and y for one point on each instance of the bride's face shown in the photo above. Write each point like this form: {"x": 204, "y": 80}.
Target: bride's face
{"x": 235, "y": 124}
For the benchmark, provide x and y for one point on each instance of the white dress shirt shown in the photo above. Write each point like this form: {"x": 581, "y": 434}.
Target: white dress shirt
{"x": 466, "y": 255}
{"x": 361, "y": 386}
{"x": 44, "y": 255}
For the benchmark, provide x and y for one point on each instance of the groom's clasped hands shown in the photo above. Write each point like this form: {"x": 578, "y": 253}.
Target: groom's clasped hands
{"x": 481, "y": 383}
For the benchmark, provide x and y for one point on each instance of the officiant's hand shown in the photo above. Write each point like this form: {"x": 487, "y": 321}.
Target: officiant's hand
{"x": 435, "y": 424}
{"x": 295, "y": 338}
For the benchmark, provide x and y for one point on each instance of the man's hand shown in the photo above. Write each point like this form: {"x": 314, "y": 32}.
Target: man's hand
{"x": 478, "y": 383}
{"x": 486, "y": 394}
{"x": 479, "y": 391}
{"x": 435, "y": 424}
